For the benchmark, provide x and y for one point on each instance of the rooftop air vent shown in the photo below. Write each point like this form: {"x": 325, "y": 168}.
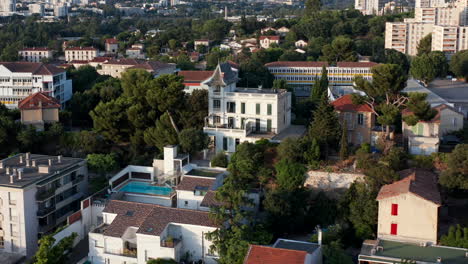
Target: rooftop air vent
{"x": 439, "y": 260}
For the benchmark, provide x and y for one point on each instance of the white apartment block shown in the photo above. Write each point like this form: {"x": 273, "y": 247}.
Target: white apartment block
{"x": 370, "y": 7}
{"x": 7, "y": 7}
{"x": 116, "y": 67}
{"x": 37, "y": 194}
{"x": 301, "y": 75}
{"x": 18, "y": 80}
{"x": 446, "y": 22}
{"x": 134, "y": 232}
{"x": 35, "y": 54}
{"x": 241, "y": 114}
{"x": 80, "y": 54}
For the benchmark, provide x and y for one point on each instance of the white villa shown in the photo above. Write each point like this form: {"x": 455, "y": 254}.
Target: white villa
{"x": 244, "y": 114}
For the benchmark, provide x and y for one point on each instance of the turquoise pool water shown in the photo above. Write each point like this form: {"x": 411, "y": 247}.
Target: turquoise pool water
{"x": 145, "y": 188}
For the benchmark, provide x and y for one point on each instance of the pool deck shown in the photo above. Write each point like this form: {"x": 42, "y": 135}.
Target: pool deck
{"x": 125, "y": 183}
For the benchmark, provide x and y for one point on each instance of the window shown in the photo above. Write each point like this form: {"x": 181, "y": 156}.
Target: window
{"x": 268, "y": 125}
{"x": 242, "y": 108}
{"x": 216, "y": 119}
{"x": 360, "y": 119}
{"x": 394, "y": 229}
{"x": 2, "y": 242}
{"x": 394, "y": 209}
{"x": 269, "y": 109}
{"x": 454, "y": 122}
{"x": 231, "y": 107}
{"x": 225, "y": 144}
{"x": 242, "y": 123}
{"x": 257, "y": 109}
{"x": 186, "y": 203}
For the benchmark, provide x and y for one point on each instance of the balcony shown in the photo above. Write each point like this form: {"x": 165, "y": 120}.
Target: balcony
{"x": 78, "y": 179}
{"x": 43, "y": 195}
{"x": 126, "y": 252}
{"x": 170, "y": 242}
{"x": 45, "y": 211}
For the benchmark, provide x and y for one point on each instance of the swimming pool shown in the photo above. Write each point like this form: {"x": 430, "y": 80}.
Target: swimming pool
{"x": 145, "y": 188}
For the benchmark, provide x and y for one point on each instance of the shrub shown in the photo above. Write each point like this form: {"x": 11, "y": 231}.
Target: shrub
{"x": 219, "y": 160}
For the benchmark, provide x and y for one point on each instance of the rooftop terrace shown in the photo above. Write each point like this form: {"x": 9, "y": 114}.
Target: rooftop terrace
{"x": 23, "y": 169}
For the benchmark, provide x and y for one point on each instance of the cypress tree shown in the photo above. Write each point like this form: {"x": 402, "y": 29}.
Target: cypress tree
{"x": 344, "y": 142}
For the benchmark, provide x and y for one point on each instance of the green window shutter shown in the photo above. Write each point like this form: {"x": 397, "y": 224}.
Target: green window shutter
{"x": 269, "y": 109}
{"x": 257, "y": 108}
{"x": 243, "y": 108}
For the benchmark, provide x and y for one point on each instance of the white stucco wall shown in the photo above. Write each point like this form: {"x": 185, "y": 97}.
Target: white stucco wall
{"x": 193, "y": 201}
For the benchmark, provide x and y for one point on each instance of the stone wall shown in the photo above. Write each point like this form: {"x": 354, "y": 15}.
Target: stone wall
{"x": 326, "y": 181}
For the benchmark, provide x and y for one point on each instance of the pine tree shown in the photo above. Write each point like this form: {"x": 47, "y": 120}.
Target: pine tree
{"x": 323, "y": 127}
{"x": 344, "y": 142}
{"x": 320, "y": 86}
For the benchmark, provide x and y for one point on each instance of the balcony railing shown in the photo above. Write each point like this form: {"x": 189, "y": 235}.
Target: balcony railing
{"x": 78, "y": 179}
{"x": 45, "y": 211}
{"x": 170, "y": 243}
{"x": 132, "y": 253}
{"x": 45, "y": 194}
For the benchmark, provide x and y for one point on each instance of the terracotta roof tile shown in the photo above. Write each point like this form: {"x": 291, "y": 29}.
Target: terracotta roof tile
{"x": 150, "y": 219}
{"x": 38, "y": 100}
{"x": 111, "y": 41}
{"x": 419, "y": 182}
{"x": 269, "y": 255}
{"x": 32, "y": 67}
{"x": 35, "y": 49}
{"x": 297, "y": 64}
{"x": 81, "y": 48}
{"x": 355, "y": 64}
{"x": 196, "y": 76}
{"x": 191, "y": 183}
{"x": 210, "y": 201}
{"x": 270, "y": 37}
{"x": 345, "y": 104}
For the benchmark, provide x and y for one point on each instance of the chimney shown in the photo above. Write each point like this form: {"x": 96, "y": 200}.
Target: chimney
{"x": 439, "y": 260}
{"x": 50, "y": 162}
{"x": 21, "y": 159}
{"x": 11, "y": 179}
{"x": 34, "y": 163}
{"x": 28, "y": 155}
{"x": 20, "y": 174}
{"x": 28, "y": 162}
{"x": 319, "y": 239}
{"x": 59, "y": 158}
{"x": 7, "y": 170}
{"x": 1, "y": 164}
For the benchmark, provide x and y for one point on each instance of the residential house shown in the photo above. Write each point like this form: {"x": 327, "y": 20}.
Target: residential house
{"x": 282, "y": 31}
{"x": 195, "y": 79}
{"x": 201, "y": 42}
{"x": 242, "y": 114}
{"x": 300, "y": 44}
{"x": 266, "y": 41}
{"x": 81, "y": 53}
{"x": 116, "y": 67}
{"x": 135, "y": 53}
{"x": 192, "y": 189}
{"x": 134, "y": 232}
{"x": 267, "y": 29}
{"x": 285, "y": 251}
{"x": 37, "y": 194}
{"x": 408, "y": 223}
{"x": 112, "y": 46}
{"x": 424, "y": 137}
{"x": 39, "y": 109}
{"x": 35, "y": 54}
{"x": 360, "y": 120}
{"x": 18, "y": 80}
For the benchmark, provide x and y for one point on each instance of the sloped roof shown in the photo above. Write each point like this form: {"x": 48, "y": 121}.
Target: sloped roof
{"x": 196, "y": 76}
{"x": 270, "y": 37}
{"x": 35, "y": 49}
{"x": 38, "y": 100}
{"x": 345, "y": 104}
{"x": 209, "y": 200}
{"x": 81, "y": 48}
{"x": 152, "y": 65}
{"x": 150, "y": 219}
{"x": 111, "y": 41}
{"x": 191, "y": 183}
{"x": 436, "y": 118}
{"x": 37, "y": 68}
{"x": 297, "y": 64}
{"x": 269, "y": 255}
{"x": 223, "y": 75}
{"x": 419, "y": 182}
{"x": 355, "y": 64}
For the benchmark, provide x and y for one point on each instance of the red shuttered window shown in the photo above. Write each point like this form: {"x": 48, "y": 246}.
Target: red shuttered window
{"x": 394, "y": 229}
{"x": 394, "y": 209}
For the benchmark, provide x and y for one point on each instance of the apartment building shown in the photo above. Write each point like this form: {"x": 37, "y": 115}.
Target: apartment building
{"x": 446, "y": 22}
{"x": 116, "y": 67}
{"x": 7, "y": 7}
{"x": 242, "y": 114}
{"x": 134, "y": 232}
{"x": 35, "y": 54}
{"x": 18, "y": 80}
{"x": 37, "y": 193}
{"x": 407, "y": 227}
{"x": 301, "y": 75}
{"x": 80, "y": 54}
{"x": 371, "y": 7}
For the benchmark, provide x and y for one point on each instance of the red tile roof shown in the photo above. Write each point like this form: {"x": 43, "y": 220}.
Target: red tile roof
{"x": 150, "y": 219}
{"x": 191, "y": 183}
{"x": 269, "y": 255}
{"x": 270, "y": 37}
{"x": 209, "y": 200}
{"x": 35, "y": 49}
{"x": 38, "y": 100}
{"x": 81, "y": 48}
{"x": 345, "y": 104}
{"x": 195, "y": 76}
{"x": 419, "y": 182}
{"x": 111, "y": 41}
{"x": 352, "y": 64}
{"x": 297, "y": 64}
{"x": 101, "y": 59}
{"x": 37, "y": 68}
